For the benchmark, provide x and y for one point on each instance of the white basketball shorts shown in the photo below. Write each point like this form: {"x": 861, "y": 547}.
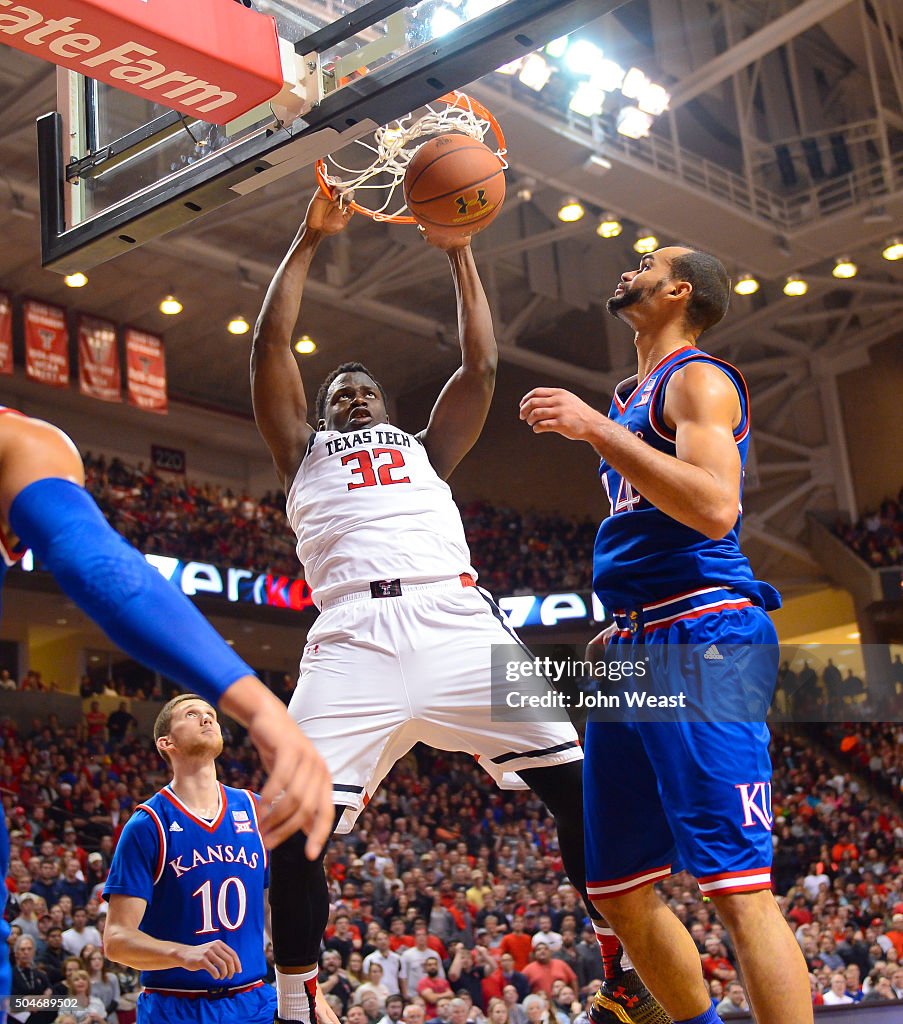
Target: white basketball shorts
{"x": 381, "y": 674}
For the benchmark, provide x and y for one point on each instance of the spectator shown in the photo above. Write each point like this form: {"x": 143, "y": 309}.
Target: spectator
{"x": 505, "y": 974}
{"x": 394, "y": 1010}
{"x": 715, "y": 963}
{"x": 80, "y": 934}
{"x": 27, "y": 918}
{"x": 120, "y": 722}
{"x": 836, "y": 995}
{"x": 433, "y": 984}
{"x": 734, "y": 1003}
{"x": 517, "y": 943}
{"x": 393, "y": 969}
{"x": 373, "y": 984}
{"x": 542, "y": 971}
{"x": 414, "y": 958}
{"x": 29, "y": 980}
{"x": 333, "y": 980}
{"x": 546, "y": 935}
{"x": 104, "y": 983}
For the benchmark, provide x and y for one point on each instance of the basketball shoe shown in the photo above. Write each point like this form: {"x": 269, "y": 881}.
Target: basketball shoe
{"x": 624, "y": 999}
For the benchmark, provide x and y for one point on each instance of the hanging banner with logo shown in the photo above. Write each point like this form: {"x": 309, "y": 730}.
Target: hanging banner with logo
{"x": 46, "y": 344}
{"x": 145, "y": 370}
{"x": 98, "y": 360}
{"x": 6, "y": 335}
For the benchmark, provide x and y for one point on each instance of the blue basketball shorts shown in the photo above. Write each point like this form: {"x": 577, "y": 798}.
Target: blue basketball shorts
{"x": 695, "y": 795}
{"x": 256, "y": 1006}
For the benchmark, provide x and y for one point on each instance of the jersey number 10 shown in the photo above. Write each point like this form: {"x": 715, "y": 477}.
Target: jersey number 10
{"x": 217, "y": 918}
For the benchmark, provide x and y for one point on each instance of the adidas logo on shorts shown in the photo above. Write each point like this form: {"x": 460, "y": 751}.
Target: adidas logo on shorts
{"x": 713, "y": 654}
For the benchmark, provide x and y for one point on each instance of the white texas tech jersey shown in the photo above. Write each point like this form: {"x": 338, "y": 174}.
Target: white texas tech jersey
{"x": 367, "y": 505}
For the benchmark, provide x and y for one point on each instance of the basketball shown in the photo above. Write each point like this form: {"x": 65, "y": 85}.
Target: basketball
{"x": 456, "y": 184}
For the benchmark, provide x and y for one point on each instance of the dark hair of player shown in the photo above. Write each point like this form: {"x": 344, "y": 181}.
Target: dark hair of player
{"x": 320, "y": 404}
{"x": 711, "y": 287}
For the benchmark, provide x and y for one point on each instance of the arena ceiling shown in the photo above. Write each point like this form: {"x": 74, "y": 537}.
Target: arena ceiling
{"x": 782, "y": 149}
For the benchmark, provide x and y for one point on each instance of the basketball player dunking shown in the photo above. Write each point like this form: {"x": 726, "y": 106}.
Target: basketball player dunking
{"x": 668, "y": 558}
{"x": 401, "y": 650}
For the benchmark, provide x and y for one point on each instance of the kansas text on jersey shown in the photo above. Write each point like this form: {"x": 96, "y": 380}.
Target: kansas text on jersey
{"x": 642, "y": 554}
{"x": 201, "y": 880}
{"x": 367, "y": 505}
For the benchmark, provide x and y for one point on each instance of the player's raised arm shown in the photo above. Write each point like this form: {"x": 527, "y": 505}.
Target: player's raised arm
{"x": 280, "y": 405}
{"x": 700, "y": 487}
{"x": 461, "y": 408}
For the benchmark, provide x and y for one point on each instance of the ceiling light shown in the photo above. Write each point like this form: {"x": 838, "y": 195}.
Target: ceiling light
{"x": 512, "y": 67}
{"x": 746, "y": 285}
{"x": 557, "y": 47}
{"x": 238, "y": 325}
{"x": 654, "y": 99}
{"x": 571, "y": 210}
{"x": 525, "y": 193}
{"x": 893, "y": 250}
{"x": 535, "y": 73}
{"x": 845, "y": 268}
{"x": 76, "y": 280}
{"x": 795, "y": 286}
{"x": 634, "y": 123}
{"x": 587, "y": 100}
{"x": 444, "y": 20}
{"x": 646, "y": 242}
{"x": 170, "y": 306}
{"x": 582, "y": 57}
{"x": 608, "y": 76}
{"x": 474, "y": 8}
{"x": 635, "y": 84}
{"x": 609, "y": 226}
{"x": 305, "y": 345}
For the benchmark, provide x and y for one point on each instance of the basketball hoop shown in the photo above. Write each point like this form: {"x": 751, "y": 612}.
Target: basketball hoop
{"x": 393, "y": 153}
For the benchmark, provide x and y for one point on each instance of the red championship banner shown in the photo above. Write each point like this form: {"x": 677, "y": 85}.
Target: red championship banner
{"x": 46, "y": 344}
{"x": 145, "y": 367}
{"x": 6, "y": 335}
{"x": 211, "y": 59}
{"x": 98, "y": 360}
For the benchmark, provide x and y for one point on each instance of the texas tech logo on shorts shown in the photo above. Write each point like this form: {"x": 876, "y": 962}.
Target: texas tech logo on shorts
{"x": 755, "y": 798}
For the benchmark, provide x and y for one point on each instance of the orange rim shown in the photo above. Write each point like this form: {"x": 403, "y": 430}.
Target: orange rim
{"x": 453, "y": 99}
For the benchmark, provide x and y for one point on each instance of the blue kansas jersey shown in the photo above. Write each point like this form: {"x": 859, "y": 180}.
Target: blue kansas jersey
{"x": 202, "y": 881}
{"x": 641, "y": 554}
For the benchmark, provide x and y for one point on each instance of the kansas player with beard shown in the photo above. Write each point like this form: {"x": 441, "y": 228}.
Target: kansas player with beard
{"x": 669, "y": 795}
{"x": 187, "y": 886}
{"x": 401, "y": 652}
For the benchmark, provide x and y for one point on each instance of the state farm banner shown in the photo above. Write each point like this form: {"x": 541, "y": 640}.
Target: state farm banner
{"x": 145, "y": 366}
{"x": 6, "y": 334}
{"x": 161, "y": 50}
{"x": 98, "y": 360}
{"x": 46, "y": 344}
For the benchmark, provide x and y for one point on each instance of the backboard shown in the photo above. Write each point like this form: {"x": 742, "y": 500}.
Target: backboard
{"x": 117, "y": 170}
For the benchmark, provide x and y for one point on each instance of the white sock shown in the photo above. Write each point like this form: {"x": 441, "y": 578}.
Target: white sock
{"x": 293, "y": 997}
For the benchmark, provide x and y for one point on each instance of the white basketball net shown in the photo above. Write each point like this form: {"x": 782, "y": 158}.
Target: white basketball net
{"x": 392, "y": 155}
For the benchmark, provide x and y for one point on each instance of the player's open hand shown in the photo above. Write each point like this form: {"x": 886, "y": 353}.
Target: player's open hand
{"x": 298, "y": 792}
{"x": 327, "y": 216}
{"x": 446, "y": 242}
{"x": 215, "y": 957}
{"x": 557, "y": 411}
{"x": 325, "y": 1013}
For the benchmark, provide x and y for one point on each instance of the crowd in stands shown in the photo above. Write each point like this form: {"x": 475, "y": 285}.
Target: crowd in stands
{"x": 877, "y": 537}
{"x": 449, "y": 900}
{"x": 514, "y": 552}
